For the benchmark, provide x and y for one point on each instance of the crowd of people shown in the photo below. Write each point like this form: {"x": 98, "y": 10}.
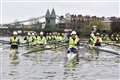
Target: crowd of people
{"x": 34, "y": 38}
{"x": 97, "y": 39}
{"x": 72, "y": 39}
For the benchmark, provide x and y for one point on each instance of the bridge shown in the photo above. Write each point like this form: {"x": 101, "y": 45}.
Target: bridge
{"x": 50, "y": 19}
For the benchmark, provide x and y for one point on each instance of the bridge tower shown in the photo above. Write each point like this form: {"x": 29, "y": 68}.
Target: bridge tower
{"x": 47, "y": 18}
{"x": 53, "y": 19}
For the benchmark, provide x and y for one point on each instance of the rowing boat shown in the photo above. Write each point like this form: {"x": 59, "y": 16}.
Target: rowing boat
{"x": 107, "y": 50}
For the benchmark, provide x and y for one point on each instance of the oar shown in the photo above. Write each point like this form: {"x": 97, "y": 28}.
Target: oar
{"x": 107, "y": 50}
{"x": 104, "y": 50}
{"x": 4, "y": 42}
{"x": 114, "y": 44}
{"x": 36, "y": 50}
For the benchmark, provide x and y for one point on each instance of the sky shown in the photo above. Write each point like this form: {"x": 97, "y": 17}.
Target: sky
{"x": 25, "y": 9}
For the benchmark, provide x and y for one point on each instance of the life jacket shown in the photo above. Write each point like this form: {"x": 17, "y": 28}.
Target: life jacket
{"x": 92, "y": 41}
{"x": 14, "y": 41}
{"x": 98, "y": 41}
{"x": 59, "y": 38}
{"x": 29, "y": 39}
{"x": 73, "y": 42}
{"x": 48, "y": 37}
{"x": 53, "y": 37}
{"x": 41, "y": 40}
{"x": 34, "y": 40}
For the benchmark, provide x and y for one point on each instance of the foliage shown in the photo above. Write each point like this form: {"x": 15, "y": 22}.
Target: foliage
{"x": 115, "y": 26}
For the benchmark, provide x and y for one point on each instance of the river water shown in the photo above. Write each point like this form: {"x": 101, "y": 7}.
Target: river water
{"x": 51, "y": 65}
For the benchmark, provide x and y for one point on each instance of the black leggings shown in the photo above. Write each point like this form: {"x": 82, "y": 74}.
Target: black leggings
{"x": 14, "y": 46}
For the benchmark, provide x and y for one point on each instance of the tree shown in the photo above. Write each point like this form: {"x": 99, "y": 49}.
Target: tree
{"x": 115, "y": 25}
{"x": 100, "y": 25}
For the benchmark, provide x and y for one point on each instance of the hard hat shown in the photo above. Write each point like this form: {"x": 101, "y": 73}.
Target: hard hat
{"x": 92, "y": 35}
{"x": 73, "y": 32}
{"x": 41, "y": 33}
{"x": 14, "y": 33}
{"x": 97, "y": 34}
{"x": 29, "y": 33}
{"x": 33, "y": 33}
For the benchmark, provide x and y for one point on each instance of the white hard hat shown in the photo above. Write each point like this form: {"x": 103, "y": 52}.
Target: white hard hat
{"x": 97, "y": 34}
{"x": 33, "y": 33}
{"x": 29, "y": 33}
{"x": 41, "y": 33}
{"x": 14, "y": 33}
{"x": 92, "y": 35}
{"x": 73, "y": 32}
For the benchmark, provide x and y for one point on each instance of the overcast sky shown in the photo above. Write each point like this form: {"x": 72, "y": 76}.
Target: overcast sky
{"x": 25, "y": 9}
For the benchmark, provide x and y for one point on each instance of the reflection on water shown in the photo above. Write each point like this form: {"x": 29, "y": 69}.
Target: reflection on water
{"x": 51, "y": 65}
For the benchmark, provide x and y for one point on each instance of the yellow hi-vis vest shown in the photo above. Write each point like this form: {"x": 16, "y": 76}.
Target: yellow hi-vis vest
{"x": 34, "y": 40}
{"x": 14, "y": 41}
{"x": 60, "y": 38}
{"x": 73, "y": 43}
{"x": 53, "y": 37}
{"x": 41, "y": 40}
{"x": 30, "y": 39}
{"x": 92, "y": 41}
{"x": 48, "y": 37}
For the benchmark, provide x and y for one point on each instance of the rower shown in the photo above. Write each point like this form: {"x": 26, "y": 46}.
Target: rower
{"x": 28, "y": 39}
{"x": 14, "y": 41}
{"x": 48, "y": 37}
{"x": 102, "y": 36}
{"x": 107, "y": 38}
{"x": 117, "y": 38}
{"x": 92, "y": 40}
{"x": 73, "y": 42}
{"x": 98, "y": 40}
{"x": 112, "y": 37}
{"x": 33, "y": 39}
{"x": 59, "y": 37}
{"x": 53, "y": 36}
{"x": 42, "y": 39}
